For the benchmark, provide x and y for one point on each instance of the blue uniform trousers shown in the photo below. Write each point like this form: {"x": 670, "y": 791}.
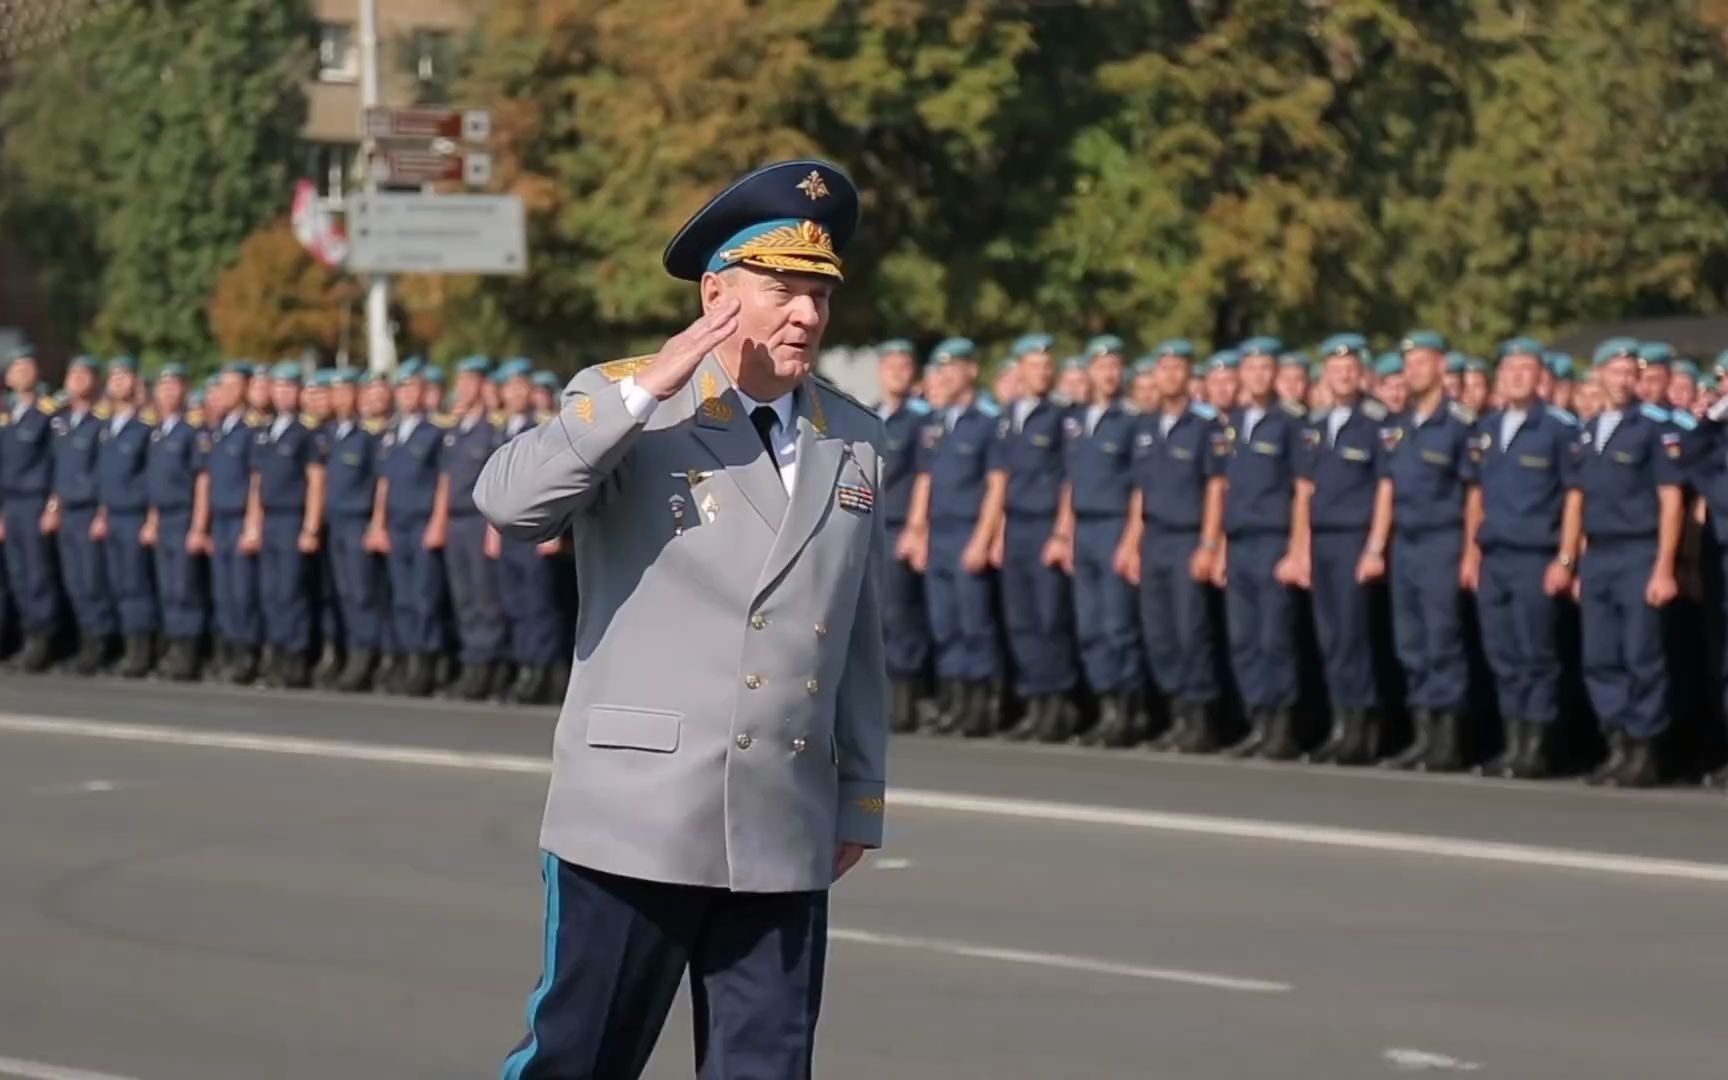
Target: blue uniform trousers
{"x": 129, "y": 573}
{"x": 179, "y": 578}
{"x": 473, "y": 590}
{"x": 1427, "y": 618}
{"x": 416, "y": 589}
{"x": 1173, "y": 621}
{"x": 905, "y": 629}
{"x": 614, "y": 951}
{"x": 356, "y": 580}
{"x": 1625, "y": 670}
{"x": 962, "y": 616}
{"x": 84, "y": 571}
{"x": 234, "y": 583}
{"x": 528, "y": 590}
{"x": 1035, "y": 607}
{"x": 285, "y": 582}
{"x": 8, "y": 616}
{"x": 1520, "y": 631}
{"x": 1341, "y": 620}
{"x": 1260, "y": 613}
{"x": 30, "y": 565}
{"x": 1105, "y": 607}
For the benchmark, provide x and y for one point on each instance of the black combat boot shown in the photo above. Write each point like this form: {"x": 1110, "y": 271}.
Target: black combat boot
{"x": 1200, "y": 737}
{"x": 417, "y": 676}
{"x": 38, "y": 650}
{"x": 92, "y": 654}
{"x": 292, "y": 672}
{"x": 1422, "y": 723}
{"x": 388, "y": 675}
{"x": 1281, "y": 742}
{"x": 181, "y": 662}
{"x": 503, "y": 685}
{"x": 219, "y": 650}
{"x": 329, "y": 670}
{"x": 1532, "y": 760}
{"x": 139, "y": 656}
{"x": 475, "y": 682}
{"x": 903, "y": 706}
{"x": 942, "y": 715}
{"x": 1327, "y": 752}
{"x": 1176, "y": 732}
{"x": 357, "y": 672}
{"x": 1259, "y": 721}
{"x": 1360, "y": 739}
{"x": 1111, "y": 727}
{"x": 1031, "y": 718}
{"x": 1447, "y": 753}
{"x": 1059, "y": 720}
{"x": 979, "y": 721}
{"x": 443, "y": 668}
{"x": 1511, "y": 745}
{"x": 1642, "y": 768}
{"x": 1611, "y": 765}
{"x": 242, "y": 664}
{"x": 530, "y": 685}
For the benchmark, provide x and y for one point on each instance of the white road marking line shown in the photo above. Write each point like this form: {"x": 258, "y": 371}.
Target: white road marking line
{"x": 1441, "y": 847}
{"x": 36, "y": 1070}
{"x": 890, "y": 864}
{"x": 1405, "y": 1059}
{"x": 1066, "y": 963}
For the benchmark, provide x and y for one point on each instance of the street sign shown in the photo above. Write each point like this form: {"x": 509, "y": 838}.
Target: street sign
{"x": 468, "y": 125}
{"x": 411, "y": 168}
{"x": 437, "y": 234}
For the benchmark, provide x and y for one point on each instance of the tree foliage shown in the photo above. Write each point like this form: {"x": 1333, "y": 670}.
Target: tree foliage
{"x": 276, "y": 301}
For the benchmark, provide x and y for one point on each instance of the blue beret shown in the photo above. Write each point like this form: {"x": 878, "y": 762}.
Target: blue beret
{"x": 1655, "y": 352}
{"x": 1722, "y": 360}
{"x": 239, "y": 367}
{"x": 433, "y": 374}
{"x": 342, "y": 376}
{"x": 546, "y": 379}
{"x": 408, "y": 371}
{"x": 1173, "y": 347}
{"x": 196, "y": 398}
{"x": 1686, "y": 367}
{"x": 1074, "y": 363}
{"x": 1392, "y": 363}
{"x": 1476, "y": 364}
{"x": 124, "y": 362}
{"x": 1559, "y": 364}
{"x": 1423, "y": 339}
{"x": 1615, "y": 349}
{"x": 1029, "y": 343}
{"x": 475, "y": 364}
{"x": 954, "y": 348}
{"x": 1103, "y": 343}
{"x": 1528, "y": 346}
{"x": 1223, "y": 360}
{"x": 171, "y": 371}
{"x": 793, "y": 216}
{"x": 1455, "y": 362}
{"x": 1262, "y": 345}
{"x": 1145, "y": 365}
{"x": 1345, "y": 345}
{"x": 896, "y": 345}
{"x": 20, "y": 351}
{"x": 89, "y": 363}
{"x": 286, "y": 371}
{"x": 513, "y": 367}
{"x": 1297, "y": 358}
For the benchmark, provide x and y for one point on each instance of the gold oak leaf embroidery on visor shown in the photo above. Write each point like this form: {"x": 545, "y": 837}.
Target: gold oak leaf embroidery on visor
{"x": 805, "y": 247}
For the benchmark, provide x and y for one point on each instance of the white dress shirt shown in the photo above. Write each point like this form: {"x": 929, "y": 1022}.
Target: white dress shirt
{"x": 641, "y": 404}
{"x": 1023, "y": 409}
{"x": 1605, "y": 425}
{"x": 406, "y": 427}
{"x": 1094, "y": 413}
{"x": 1510, "y": 421}
{"x": 1250, "y": 419}
{"x": 278, "y": 426}
{"x": 118, "y": 422}
{"x": 1335, "y": 421}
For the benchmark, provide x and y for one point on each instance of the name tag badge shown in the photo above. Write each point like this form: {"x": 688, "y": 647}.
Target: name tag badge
{"x": 1435, "y": 457}
{"x": 1180, "y": 454}
{"x": 1533, "y": 462}
{"x": 1622, "y": 457}
{"x": 1263, "y": 447}
{"x": 1352, "y": 454}
{"x": 1040, "y": 440}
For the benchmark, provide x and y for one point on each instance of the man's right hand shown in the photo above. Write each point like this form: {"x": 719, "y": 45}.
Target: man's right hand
{"x": 913, "y": 548}
{"x": 677, "y": 360}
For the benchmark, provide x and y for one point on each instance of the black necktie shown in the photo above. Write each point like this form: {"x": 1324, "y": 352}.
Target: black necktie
{"x": 765, "y": 420}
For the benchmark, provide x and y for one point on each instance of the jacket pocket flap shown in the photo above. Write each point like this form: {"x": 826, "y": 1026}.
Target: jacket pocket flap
{"x": 634, "y": 729}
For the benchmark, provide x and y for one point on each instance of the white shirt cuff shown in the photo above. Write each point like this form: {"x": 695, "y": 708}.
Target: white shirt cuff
{"x": 638, "y": 402}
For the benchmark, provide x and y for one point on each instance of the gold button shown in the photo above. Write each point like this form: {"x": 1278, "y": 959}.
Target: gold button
{"x": 821, "y": 630}
{"x": 744, "y": 742}
{"x": 799, "y": 744}
{"x": 754, "y": 682}
{"x": 813, "y": 686}
{"x": 759, "y": 621}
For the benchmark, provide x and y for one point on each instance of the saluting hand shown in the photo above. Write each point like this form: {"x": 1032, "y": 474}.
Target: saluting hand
{"x": 677, "y": 360}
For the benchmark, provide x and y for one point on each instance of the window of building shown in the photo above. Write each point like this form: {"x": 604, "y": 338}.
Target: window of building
{"x": 432, "y": 59}
{"x": 338, "y": 60}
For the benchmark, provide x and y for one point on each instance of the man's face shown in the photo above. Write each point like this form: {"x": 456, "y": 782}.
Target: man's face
{"x": 170, "y": 396}
{"x": 1619, "y": 381}
{"x": 342, "y": 398}
{"x": 1008, "y": 385}
{"x": 1653, "y": 383}
{"x": 1257, "y": 371}
{"x": 1587, "y": 397}
{"x": 1222, "y": 387}
{"x": 470, "y": 386}
{"x": 80, "y": 382}
{"x": 895, "y": 373}
{"x": 1561, "y": 393}
{"x": 1105, "y": 371}
{"x": 1143, "y": 391}
{"x": 21, "y": 375}
{"x": 1393, "y": 392}
{"x": 1292, "y": 383}
{"x": 517, "y": 394}
{"x": 285, "y": 396}
{"x": 260, "y": 392}
{"x": 122, "y": 384}
{"x": 375, "y": 399}
{"x": 1422, "y": 370}
{"x": 781, "y": 317}
{"x": 1520, "y": 376}
{"x": 545, "y": 400}
{"x": 317, "y": 401}
{"x": 1038, "y": 373}
{"x": 1075, "y": 386}
{"x": 431, "y": 397}
{"x": 1453, "y": 381}
{"x": 410, "y": 395}
{"x": 1682, "y": 392}
{"x": 939, "y": 386}
{"x": 1343, "y": 376}
{"x": 1475, "y": 393}
{"x": 1170, "y": 375}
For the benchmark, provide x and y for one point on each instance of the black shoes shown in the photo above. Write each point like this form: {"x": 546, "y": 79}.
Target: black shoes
{"x": 1421, "y": 742}
{"x": 329, "y": 670}
{"x": 139, "y": 657}
{"x": 475, "y": 682}
{"x": 356, "y": 674}
{"x": 903, "y": 706}
{"x": 1618, "y": 746}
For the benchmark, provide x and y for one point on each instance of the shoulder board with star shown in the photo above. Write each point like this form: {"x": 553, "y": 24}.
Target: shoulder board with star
{"x": 1460, "y": 412}
{"x": 542, "y": 416}
{"x": 374, "y": 424}
{"x": 1654, "y": 412}
{"x": 255, "y": 418}
{"x": 1373, "y": 409}
{"x": 498, "y": 418}
{"x": 918, "y": 406}
{"x": 442, "y": 420}
{"x": 195, "y": 417}
{"x": 309, "y": 422}
{"x": 617, "y": 370}
{"x": 148, "y": 415}
{"x": 102, "y": 411}
{"x": 1683, "y": 420}
{"x": 1563, "y": 416}
{"x": 1203, "y": 410}
{"x": 1292, "y": 409}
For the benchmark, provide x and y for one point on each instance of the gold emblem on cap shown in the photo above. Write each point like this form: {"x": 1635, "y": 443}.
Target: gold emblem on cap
{"x": 814, "y": 186}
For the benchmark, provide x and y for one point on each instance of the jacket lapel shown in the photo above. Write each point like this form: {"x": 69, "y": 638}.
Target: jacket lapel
{"x": 728, "y": 435}
{"x": 819, "y": 461}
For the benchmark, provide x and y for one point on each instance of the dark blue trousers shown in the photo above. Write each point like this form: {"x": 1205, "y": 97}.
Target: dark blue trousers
{"x": 285, "y": 583}
{"x": 8, "y": 616}
{"x": 1625, "y": 670}
{"x": 416, "y": 589}
{"x": 1520, "y": 633}
{"x": 473, "y": 590}
{"x": 905, "y": 626}
{"x": 129, "y": 574}
{"x": 528, "y": 590}
{"x": 234, "y": 583}
{"x": 1173, "y": 621}
{"x": 84, "y": 571}
{"x": 1036, "y": 609}
{"x": 1427, "y": 618}
{"x": 1260, "y": 613}
{"x": 1105, "y": 608}
{"x": 615, "y": 949}
{"x": 356, "y": 577}
{"x": 30, "y": 564}
{"x": 962, "y": 615}
{"x": 1341, "y": 622}
{"x": 179, "y": 578}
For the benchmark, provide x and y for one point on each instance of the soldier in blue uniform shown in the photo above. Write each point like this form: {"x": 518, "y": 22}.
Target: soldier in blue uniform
{"x": 409, "y": 515}
{"x": 956, "y": 511}
{"x": 287, "y": 515}
{"x": 1655, "y": 372}
{"x": 527, "y": 580}
{"x": 1710, "y": 477}
{"x": 350, "y": 481}
{"x": 545, "y": 393}
{"x": 1339, "y": 531}
{"x": 906, "y": 633}
{"x": 172, "y": 467}
{"x": 1629, "y": 463}
{"x": 123, "y": 496}
{"x": 1478, "y": 386}
{"x": 1174, "y": 533}
{"x": 473, "y": 578}
{"x": 26, "y": 482}
{"x": 233, "y": 556}
{"x": 1098, "y": 442}
{"x": 73, "y": 519}
{"x": 1390, "y": 385}
{"x": 1073, "y": 385}
{"x": 1453, "y": 377}
{"x": 1559, "y": 379}
{"x": 1261, "y": 613}
{"x": 1291, "y": 382}
{"x": 1527, "y": 530}
{"x": 1035, "y": 600}
{"x": 1430, "y": 466}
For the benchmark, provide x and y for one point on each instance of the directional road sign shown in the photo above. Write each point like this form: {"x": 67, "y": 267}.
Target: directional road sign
{"x": 437, "y": 234}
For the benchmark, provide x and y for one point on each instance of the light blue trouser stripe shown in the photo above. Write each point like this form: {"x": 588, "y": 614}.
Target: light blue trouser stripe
{"x": 516, "y": 1063}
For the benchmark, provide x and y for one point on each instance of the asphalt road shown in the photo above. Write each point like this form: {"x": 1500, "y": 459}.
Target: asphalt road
{"x": 206, "y": 884}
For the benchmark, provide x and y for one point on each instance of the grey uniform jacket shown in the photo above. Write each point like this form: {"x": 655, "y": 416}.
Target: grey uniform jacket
{"x": 726, "y": 719}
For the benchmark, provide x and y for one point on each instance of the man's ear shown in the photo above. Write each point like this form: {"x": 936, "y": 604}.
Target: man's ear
{"x": 714, "y": 289}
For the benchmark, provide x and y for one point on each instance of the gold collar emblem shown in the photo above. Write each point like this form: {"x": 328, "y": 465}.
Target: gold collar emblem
{"x": 712, "y": 407}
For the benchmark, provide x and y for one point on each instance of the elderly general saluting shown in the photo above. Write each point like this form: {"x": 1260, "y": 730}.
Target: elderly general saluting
{"x": 719, "y": 760}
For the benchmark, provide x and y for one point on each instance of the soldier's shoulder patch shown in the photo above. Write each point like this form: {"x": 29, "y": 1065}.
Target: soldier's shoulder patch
{"x": 148, "y": 415}
{"x": 195, "y": 417}
{"x": 1373, "y": 409}
{"x": 1683, "y": 420}
{"x": 1461, "y": 412}
{"x": 616, "y": 370}
{"x": 918, "y": 406}
{"x": 1654, "y": 412}
{"x": 254, "y": 418}
{"x": 309, "y": 422}
{"x": 102, "y": 411}
{"x": 1203, "y": 410}
{"x": 1292, "y": 409}
{"x": 498, "y": 417}
{"x": 581, "y": 406}
{"x": 374, "y": 425}
{"x": 47, "y": 405}
{"x": 1567, "y": 418}
{"x": 442, "y": 420}
{"x": 542, "y": 416}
